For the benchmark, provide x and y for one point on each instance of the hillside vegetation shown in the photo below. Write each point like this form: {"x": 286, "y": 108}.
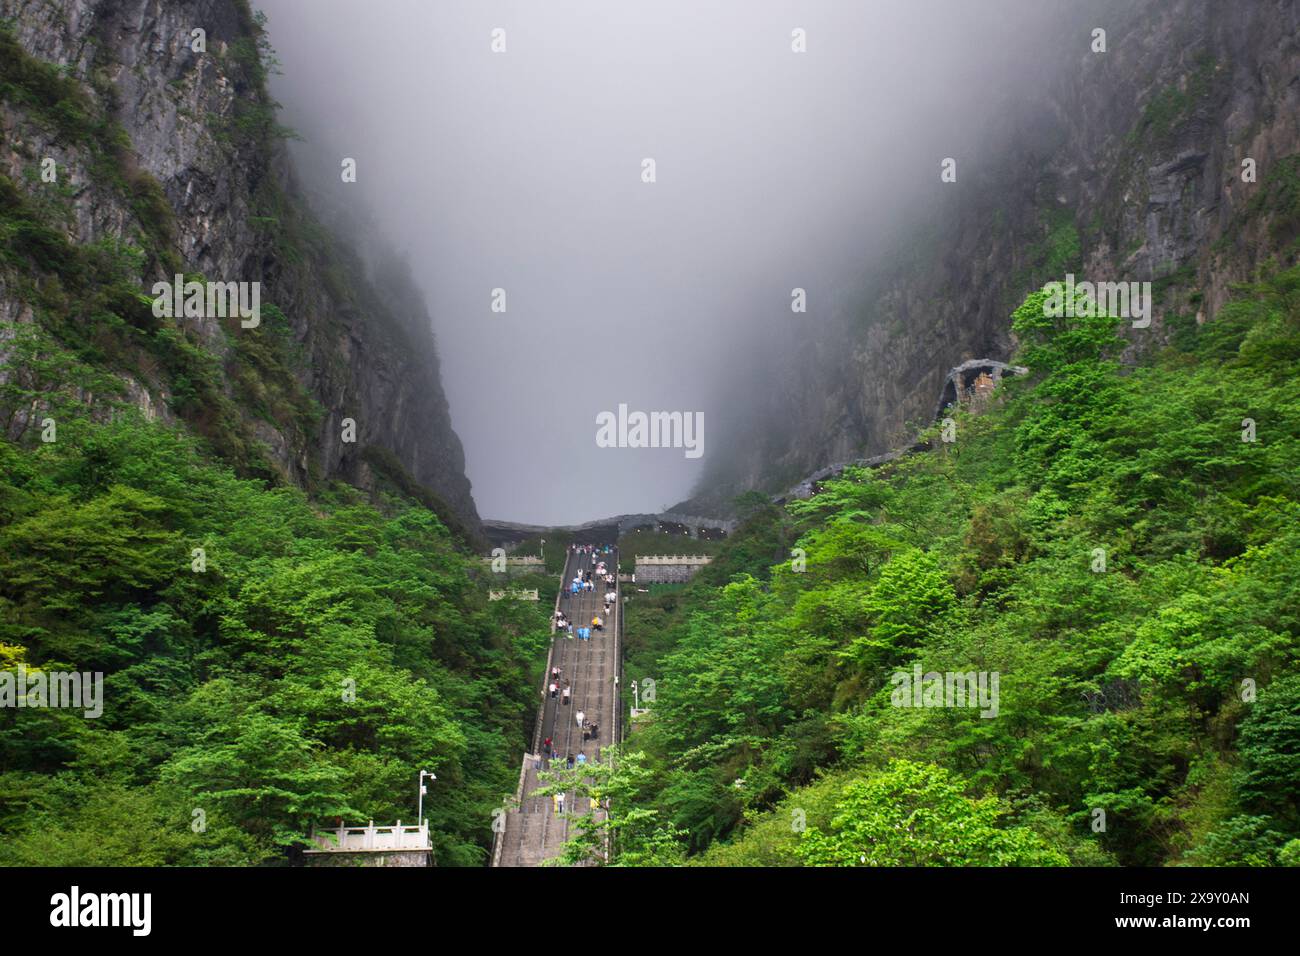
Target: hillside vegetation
{"x": 1106, "y": 539}
{"x": 303, "y": 665}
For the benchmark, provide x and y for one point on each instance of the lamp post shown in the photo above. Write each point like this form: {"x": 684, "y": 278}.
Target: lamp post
{"x": 419, "y": 813}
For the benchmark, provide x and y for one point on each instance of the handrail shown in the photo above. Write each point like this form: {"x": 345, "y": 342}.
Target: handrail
{"x": 674, "y": 559}
{"x": 394, "y": 837}
{"x": 565, "y": 738}
{"x": 616, "y": 705}
{"x": 499, "y": 836}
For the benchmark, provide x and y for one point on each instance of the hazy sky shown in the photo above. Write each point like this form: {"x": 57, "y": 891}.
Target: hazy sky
{"x": 522, "y": 170}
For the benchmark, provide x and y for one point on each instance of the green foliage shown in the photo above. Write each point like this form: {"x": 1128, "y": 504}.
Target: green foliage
{"x": 1102, "y": 538}
{"x": 1279, "y": 198}
{"x": 1270, "y": 757}
{"x": 389, "y": 469}
{"x": 42, "y": 91}
{"x": 1060, "y": 249}
{"x": 1172, "y": 106}
{"x": 42, "y": 88}
{"x": 1239, "y": 841}
{"x": 607, "y": 813}
{"x": 915, "y": 815}
{"x": 911, "y": 594}
{"x": 88, "y": 299}
{"x": 89, "y": 296}
{"x": 325, "y": 654}
{"x": 332, "y": 646}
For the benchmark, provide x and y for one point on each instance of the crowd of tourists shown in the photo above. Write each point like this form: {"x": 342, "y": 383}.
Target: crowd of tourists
{"x": 596, "y": 574}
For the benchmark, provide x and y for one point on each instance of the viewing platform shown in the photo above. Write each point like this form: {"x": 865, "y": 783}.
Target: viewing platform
{"x": 370, "y": 845}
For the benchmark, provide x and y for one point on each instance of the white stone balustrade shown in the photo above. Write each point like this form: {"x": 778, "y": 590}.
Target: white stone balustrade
{"x": 371, "y": 837}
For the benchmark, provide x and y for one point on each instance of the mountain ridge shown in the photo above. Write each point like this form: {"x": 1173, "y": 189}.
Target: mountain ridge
{"x": 1127, "y": 166}
{"x": 174, "y": 156}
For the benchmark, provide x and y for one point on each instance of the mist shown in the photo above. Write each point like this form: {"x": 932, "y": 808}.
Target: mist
{"x": 522, "y": 171}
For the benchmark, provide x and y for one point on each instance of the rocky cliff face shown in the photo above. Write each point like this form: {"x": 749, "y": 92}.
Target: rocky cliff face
{"x": 169, "y": 160}
{"x": 1127, "y": 166}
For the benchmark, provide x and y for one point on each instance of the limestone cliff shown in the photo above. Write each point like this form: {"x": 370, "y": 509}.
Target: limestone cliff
{"x": 1124, "y": 165}
{"x": 170, "y": 160}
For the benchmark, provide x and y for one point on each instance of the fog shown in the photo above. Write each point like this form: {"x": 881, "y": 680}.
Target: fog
{"x": 522, "y": 171}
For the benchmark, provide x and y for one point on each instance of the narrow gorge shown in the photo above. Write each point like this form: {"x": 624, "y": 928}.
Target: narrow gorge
{"x": 720, "y": 436}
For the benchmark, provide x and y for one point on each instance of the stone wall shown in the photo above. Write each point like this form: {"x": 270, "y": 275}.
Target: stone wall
{"x": 368, "y": 858}
{"x": 668, "y": 569}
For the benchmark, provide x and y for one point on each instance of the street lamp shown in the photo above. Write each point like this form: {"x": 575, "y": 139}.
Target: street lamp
{"x": 419, "y": 813}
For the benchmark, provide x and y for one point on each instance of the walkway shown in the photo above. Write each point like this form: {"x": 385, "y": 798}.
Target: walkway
{"x": 534, "y": 832}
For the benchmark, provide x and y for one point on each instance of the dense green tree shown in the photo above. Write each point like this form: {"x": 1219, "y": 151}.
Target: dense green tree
{"x": 915, "y": 815}
{"x": 1105, "y": 537}
{"x": 321, "y": 653}
{"x": 1269, "y": 750}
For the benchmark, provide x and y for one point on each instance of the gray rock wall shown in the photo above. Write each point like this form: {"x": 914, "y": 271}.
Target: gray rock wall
{"x": 1134, "y": 153}
{"x": 367, "y": 346}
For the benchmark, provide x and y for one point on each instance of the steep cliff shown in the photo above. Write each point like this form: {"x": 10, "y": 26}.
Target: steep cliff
{"x": 1125, "y": 166}
{"x": 167, "y": 159}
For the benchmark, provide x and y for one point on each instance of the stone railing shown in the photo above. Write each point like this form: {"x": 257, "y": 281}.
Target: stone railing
{"x": 371, "y": 837}
{"x": 687, "y": 559}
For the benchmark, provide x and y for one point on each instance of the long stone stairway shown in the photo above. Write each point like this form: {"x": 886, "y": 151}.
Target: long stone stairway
{"x": 534, "y": 832}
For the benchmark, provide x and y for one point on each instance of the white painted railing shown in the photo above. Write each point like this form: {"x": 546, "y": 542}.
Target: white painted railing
{"x": 397, "y": 837}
